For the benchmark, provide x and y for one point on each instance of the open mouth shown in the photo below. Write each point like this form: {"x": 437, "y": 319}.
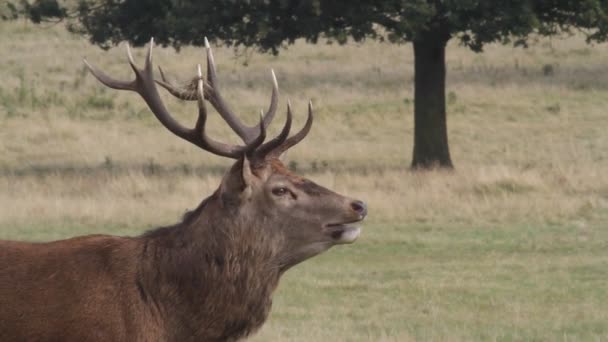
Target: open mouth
{"x": 343, "y": 233}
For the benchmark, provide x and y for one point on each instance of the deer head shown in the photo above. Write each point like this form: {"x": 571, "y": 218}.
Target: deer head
{"x": 258, "y": 191}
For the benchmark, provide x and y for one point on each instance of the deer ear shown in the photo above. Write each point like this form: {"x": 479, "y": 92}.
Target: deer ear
{"x": 238, "y": 181}
{"x": 246, "y": 171}
{"x": 247, "y": 177}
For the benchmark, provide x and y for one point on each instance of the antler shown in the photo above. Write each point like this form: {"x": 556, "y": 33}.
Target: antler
{"x": 213, "y": 95}
{"x": 276, "y": 147}
{"x": 145, "y": 86}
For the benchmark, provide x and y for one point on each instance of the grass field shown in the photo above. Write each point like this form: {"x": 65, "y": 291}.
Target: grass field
{"x": 512, "y": 245}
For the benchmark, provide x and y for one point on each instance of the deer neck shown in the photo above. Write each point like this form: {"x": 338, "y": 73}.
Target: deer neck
{"x": 212, "y": 275}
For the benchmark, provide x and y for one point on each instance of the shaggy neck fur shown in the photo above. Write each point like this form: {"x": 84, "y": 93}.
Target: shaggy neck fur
{"x": 210, "y": 277}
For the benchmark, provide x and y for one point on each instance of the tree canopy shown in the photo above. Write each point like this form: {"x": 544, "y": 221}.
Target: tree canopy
{"x": 272, "y": 24}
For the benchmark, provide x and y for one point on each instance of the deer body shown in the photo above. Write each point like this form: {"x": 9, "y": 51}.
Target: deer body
{"x": 65, "y": 290}
{"x": 208, "y": 278}
{"x": 174, "y": 283}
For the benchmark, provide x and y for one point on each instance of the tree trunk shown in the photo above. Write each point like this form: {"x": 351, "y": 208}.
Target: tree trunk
{"x": 430, "y": 129}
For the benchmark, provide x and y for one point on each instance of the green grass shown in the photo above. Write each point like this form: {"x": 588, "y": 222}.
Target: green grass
{"x": 57, "y": 231}
{"x": 425, "y": 282}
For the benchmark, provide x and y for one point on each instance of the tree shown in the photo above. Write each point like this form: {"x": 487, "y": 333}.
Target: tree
{"x": 273, "y": 24}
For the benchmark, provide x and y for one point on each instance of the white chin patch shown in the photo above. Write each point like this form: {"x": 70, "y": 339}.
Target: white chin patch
{"x": 349, "y": 235}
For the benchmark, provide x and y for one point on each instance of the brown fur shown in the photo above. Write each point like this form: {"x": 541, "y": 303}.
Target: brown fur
{"x": 208, "y": 278}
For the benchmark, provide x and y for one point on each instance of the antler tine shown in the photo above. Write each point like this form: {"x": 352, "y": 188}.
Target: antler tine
{"x": 145, "y": 86}
{"x": 130, "y": 56}
{"x": 274, "y": 99}
{"x": 187, "y": 94}
{"x": 148, "y": 62}
{"x": 211, "y": 91}
{"x": 218, "y": 102}
{"x": 107, "y": 80}
{"x": 202, "y": 109}
{"x": 291, "y": 141}
{"x": 269, "y": 146}
{"x": 248, "y": 134}
{"x": 253, "y": 145}
{"x": 113, "y": 83}
{"x": 211, "y": 72}
{"x": 206, "y": 142}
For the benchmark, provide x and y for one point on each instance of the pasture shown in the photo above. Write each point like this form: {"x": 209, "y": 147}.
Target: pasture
{"x": 512, "y": 245}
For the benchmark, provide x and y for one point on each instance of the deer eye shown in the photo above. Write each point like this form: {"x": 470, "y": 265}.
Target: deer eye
{"x": 280, "y": 191}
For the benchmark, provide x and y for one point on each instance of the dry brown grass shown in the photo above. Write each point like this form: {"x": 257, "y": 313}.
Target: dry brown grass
{"x": 479, "y": 253}
{"x": 527, "y": 131}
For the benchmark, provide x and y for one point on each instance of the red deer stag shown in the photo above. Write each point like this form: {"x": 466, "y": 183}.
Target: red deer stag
{"x": 207, "y": 278}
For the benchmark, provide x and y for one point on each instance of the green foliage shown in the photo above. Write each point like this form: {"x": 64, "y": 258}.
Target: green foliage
{"x": 37, "y": 12}
{"x": 271, "y": 24}
{"x": 9, "y": 12}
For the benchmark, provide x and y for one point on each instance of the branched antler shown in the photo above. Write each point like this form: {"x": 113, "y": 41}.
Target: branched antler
{"x": 213, "y": 95}
{"x": 145, "y": 85}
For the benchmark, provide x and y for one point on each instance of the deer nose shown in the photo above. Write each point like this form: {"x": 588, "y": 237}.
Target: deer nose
{"x": 359, "y": 207}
